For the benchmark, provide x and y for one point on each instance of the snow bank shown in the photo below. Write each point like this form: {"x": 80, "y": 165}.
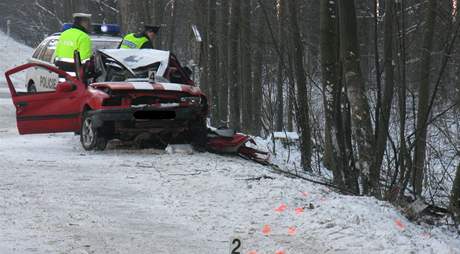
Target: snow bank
{"x": 12, "y": 53}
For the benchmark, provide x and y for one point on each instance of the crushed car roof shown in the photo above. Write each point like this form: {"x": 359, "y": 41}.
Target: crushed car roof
{"x": 138, "y": 58}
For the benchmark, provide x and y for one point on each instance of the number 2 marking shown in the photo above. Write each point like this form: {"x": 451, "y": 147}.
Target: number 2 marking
{"x": 238, "y": 245}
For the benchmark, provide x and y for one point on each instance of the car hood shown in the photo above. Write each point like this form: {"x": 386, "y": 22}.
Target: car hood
{"x": 146, "y": 86}
{"x": 133, "y": 59}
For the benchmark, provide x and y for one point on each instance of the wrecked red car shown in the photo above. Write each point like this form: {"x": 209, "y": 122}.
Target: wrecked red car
{"x": 144, "y": 96}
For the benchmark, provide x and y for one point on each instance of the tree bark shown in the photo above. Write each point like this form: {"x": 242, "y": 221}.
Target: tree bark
{"x": 424, "y": 98}
{"x": 279, "y": 125}
{"x": 224, "y": 61}
{"x": 246, "y": 66}
{"x": 213, "y": 63}
{"x": 172, "y": 25}
{"x": 132, "y": 14}
{"x": 455, "y": 196}
{"x": 301, "y": 80}
{"x": 382, "y": 133}
{"x": 355, "y": 87}
{"x": 329, "y": 71}
{"x": 234, "y": 63}
{"x": 257, "y": 102}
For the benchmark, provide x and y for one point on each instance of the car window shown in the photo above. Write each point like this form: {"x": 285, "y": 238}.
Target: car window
{"x": 35, "y": 79}
{"x": 48, "y": 53}
{"x": 39, "y": 49}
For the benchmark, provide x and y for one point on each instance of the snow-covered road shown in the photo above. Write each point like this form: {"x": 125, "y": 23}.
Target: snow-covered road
{"x": 57, "y": 198}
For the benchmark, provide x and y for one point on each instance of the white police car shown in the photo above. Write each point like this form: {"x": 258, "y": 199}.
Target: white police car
{"x": 105, "y": 36}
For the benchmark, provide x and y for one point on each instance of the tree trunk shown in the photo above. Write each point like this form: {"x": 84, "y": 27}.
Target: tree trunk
{"x": 172, "y": 25}
{"x": 455, "y": 196}
{"x": 213, "y": 62}
{"x": 246, "y": 66}
{"x": 131, "y": 14}
{"x": 224, "y": 61}
{"x": 382, "y": 133}
{"x": 257, "y": 102}
{"x": 235, "y": 114}
{"x": 424, "y": 98}
{"x": 403, "y": 155}
{"x": 301, "y": 79}
{"x": 329, "y": 60}
{"x": 355, "y": 87}
{"x": 279, "y": 126}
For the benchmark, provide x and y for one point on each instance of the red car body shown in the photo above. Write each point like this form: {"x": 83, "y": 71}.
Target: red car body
{"x": 116, "y": 110}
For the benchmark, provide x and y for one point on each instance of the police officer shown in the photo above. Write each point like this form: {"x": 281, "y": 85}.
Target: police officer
{"x": 75, "y": 38}
{"x": 143, "y": 40}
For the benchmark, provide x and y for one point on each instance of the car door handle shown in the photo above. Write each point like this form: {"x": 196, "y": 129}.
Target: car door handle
{"x": 22, "y": 104}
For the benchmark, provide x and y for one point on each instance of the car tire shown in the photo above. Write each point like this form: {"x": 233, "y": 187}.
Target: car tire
{"x": 31, "y": 88}
{"x": 199, "y": 134}
{"x": 90, "y": 136}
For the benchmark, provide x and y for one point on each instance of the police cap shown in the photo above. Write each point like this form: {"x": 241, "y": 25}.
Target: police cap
{"x": 81, "y": 16}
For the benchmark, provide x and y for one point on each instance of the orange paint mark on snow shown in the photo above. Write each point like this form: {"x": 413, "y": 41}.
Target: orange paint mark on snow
{"x": 281, "y": 208}
{"x": 280, "y": 252}
{"x": 252, "y": 252}
{"x": 400, "y": 225}
{"x": 292, "y": 231}
{"x": 266, "y": 230}
{"x": 299, "y": 210}
{"x": 305, "y": 194}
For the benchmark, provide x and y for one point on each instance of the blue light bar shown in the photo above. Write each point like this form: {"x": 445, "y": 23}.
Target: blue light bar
{"x": 112, "y": 29}
{"x": 109, "y": 29}
{"x": 66, "y": 26}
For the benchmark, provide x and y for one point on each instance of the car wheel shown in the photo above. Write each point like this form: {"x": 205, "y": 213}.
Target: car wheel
{"x": 31, "y": 88}
{"x": 199, "y": 134}
{"x": 90, "y": 136}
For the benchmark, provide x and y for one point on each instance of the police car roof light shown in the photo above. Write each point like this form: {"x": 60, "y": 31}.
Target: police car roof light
{"x": 107, "y": 29}
{"x": 66, "y": 26}
{"x": 110, "y": 29}
{"x": 113, "y": 29}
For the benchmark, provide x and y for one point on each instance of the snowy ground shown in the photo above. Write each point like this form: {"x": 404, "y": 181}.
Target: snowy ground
{"x": 57, "y": 198}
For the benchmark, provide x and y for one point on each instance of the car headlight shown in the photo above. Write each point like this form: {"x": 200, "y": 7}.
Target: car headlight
{"x": 191, "y": 100}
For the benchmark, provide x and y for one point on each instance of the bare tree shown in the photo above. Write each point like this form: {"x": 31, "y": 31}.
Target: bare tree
{"x": 234, "y": 75}
{"x": 383, "y": 130}
{"x": 356, "y": 90}
{"x": 329, "y": 70}
{"x": 424, "y": 97}
{"x": 213, "y": 62}
{"x": 224, "y": 62}
{"x": 246, "y": 66}
{"x": 301, "y": 81}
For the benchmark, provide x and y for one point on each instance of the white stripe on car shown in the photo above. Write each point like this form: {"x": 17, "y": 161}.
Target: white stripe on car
{"x": 172, "y": 87}
{"x": 142, "y": 86}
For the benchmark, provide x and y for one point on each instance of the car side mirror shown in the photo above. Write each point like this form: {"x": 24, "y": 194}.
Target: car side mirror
{"x": 65, "y": 88}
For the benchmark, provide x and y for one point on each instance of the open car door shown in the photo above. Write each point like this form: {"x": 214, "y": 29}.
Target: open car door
{"x": 52, "y": 111}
